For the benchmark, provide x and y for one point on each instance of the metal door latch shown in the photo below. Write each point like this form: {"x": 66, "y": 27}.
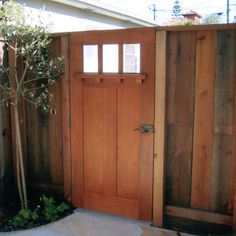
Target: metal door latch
{"x": 146, "y": 128}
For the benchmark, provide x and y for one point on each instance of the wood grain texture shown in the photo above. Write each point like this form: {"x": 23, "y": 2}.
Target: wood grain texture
{"x": 44, "y": 136}
{"x": 171, "y": 75}
{"x": 38, "y": 145}
{"x": 146, "y": 146}
{"x": 119, "y": 206}
{"x": 105, "y": 112}
{"x": 129, "y": 113}
{"x": 159, "y": 137}
{"x": 180, "y": 119}
{"x": 76, "y": 59}
{"x": 232, "y": 204}
{"x": 223, "y": 117}
{"x": 55, "y": 125}
{"x": 6, "y": 162}
{"x": 198, "y": 215}
{"x": 203, "y": 119}
{"x": 201, "y": 27}
{"x": 12, "y": 119}
{"x": 4, "y": 128}
{"x": 232, "y": 186}
{"x": 99, "y": 138}
{"x": 66, "y": 122}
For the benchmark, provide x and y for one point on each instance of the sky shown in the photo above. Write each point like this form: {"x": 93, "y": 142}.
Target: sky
{"x": 142, "y": 8}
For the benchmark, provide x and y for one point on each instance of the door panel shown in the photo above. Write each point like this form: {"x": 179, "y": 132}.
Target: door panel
{"x": 112, "y": 162}
{"x": 99, "y": 114}
{"x": 128, "y": 143}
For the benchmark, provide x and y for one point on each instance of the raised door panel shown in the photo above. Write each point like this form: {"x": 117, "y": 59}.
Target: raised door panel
{"x": 129, "y": 118}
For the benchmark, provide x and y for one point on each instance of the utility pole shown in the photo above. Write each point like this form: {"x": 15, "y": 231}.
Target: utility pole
{"x": 154, "y": 10}
{"x": 227, "y": 11}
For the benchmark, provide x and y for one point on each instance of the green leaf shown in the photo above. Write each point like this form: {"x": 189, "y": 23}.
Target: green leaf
{"x": 1, "y": 14}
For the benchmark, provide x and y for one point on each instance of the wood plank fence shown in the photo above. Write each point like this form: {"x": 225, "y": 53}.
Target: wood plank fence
{"x": 195, "y": 120}
{"x": 200, "y": 122}
{"x": 5, "y": 150}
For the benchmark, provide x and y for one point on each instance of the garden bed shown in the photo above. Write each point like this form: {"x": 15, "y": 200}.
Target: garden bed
{"x": 11, "y": 207}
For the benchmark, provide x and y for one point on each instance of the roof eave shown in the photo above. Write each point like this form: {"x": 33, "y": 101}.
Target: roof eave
{"x": 105, "y": 12}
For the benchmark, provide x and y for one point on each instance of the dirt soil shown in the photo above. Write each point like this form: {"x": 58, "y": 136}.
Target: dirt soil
{"x": 11, "y": 206}
{"x": 8, "y": 209}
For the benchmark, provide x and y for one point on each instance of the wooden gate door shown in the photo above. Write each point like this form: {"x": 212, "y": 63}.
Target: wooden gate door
{"x": 112, "y": 95}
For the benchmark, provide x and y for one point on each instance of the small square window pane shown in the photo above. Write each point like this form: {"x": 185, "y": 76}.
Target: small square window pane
{"x": 110, "y": 58}
{"x": 131, "y": 58}
{"x": 91, "y": 58}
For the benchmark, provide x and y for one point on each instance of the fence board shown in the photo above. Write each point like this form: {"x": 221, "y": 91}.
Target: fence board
{"x": 76, "y": 60}
{"x": 181, "y": 114}
{"x": 203, "y": 120}
{"x": 5, "y": 153}
{"x": 233, "y": 174}
{"x": 55, "y": 125}
{"x": 45, "y": 136}
{"x": 66, "y": 125}
{"x": 223, "y": 117}
{"x": 199, "y": 215}
{"x": 38, "y": 145}
{"x": 171, "y": 111}
{"x": 232, "y": 186}
{"x": 159, "y": 137}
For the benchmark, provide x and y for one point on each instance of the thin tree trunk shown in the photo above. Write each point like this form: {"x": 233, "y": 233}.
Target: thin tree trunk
{"x": 20, "y": 157}
{"x": 19, "y": 186}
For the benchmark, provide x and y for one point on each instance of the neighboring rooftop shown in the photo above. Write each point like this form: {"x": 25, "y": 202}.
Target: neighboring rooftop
{"x": 191, "y": 13}
{"x": 190, "y": 17}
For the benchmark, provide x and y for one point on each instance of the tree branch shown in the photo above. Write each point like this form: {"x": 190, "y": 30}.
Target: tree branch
{"x": 16, "y": 75}
{"x": 9, "y": 45}
{"x": 23, "y": 75}
{"x": 36, "y": 88}
{"x": 33, "y": 80}
{"x": 28, "y": 100}
{"x": 9, "y": 91}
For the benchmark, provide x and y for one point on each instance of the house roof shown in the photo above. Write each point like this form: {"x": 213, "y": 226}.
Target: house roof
{"x": 105, "y": 10}
{"x": 192, "y": 13}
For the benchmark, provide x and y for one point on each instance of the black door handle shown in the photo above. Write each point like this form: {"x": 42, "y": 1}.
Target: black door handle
{"x": 145, "y": 128}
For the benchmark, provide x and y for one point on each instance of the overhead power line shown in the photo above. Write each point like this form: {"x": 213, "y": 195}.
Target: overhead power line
{"x": 227, "y": 11}
{"x": 154, "y": 10}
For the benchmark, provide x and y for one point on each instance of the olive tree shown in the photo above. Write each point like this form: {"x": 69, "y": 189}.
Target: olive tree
{"x": 29, "y": 44}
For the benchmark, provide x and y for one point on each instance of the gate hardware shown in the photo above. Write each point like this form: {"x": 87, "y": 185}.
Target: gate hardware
{"x": 145, "y": 128}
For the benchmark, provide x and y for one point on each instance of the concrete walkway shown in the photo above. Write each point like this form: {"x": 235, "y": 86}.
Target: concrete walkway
{"x": 88, "y": 223}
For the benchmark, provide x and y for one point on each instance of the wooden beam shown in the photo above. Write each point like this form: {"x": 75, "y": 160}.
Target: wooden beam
{"x": 45, "y": 187}
{"x": 111, "y": 76}
{"x": 54, "y": 162}
{"x": 203, "y": 118}
{"x": 234, "y": 160}
{"x": 159, "y": 137}
{"x": 197, "y": 27}
{"x": 65, "y": 93}
{"x": 198, "y": 215}
{"x": 222, "y": 173}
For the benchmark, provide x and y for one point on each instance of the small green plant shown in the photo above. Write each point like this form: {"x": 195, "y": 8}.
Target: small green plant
{"x": 50, "y": 211}
{"x": 47, "y": 211}
{"x": 24, "y": 219}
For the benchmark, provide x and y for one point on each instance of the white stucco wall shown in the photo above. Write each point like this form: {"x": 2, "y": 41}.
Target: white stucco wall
{"x": 66, "y": 18}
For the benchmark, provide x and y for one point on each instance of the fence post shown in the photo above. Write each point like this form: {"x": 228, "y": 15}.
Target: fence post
{"x": 159, "y": 138}
{"x": 234, "y": 161}
{"x": 65, "y": 92}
